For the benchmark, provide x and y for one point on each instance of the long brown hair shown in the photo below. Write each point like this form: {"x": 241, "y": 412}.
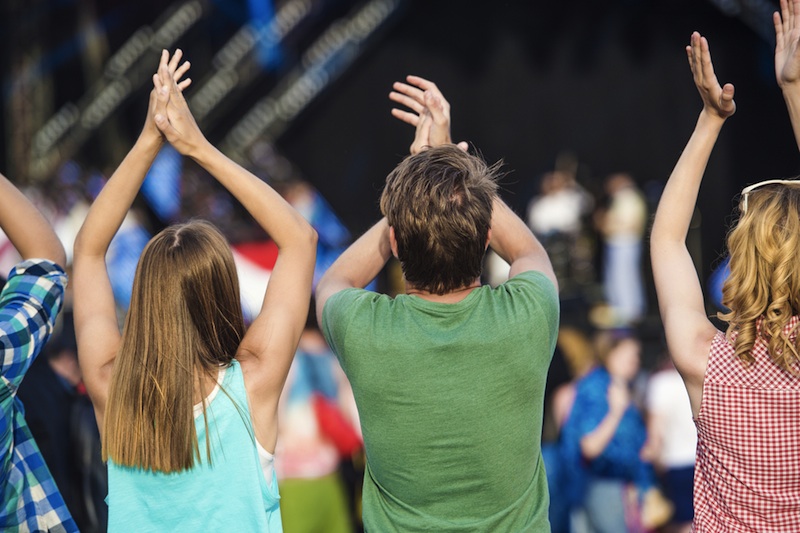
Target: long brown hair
{"x": 763, "y": 289}
{"x": 184, "y": 323}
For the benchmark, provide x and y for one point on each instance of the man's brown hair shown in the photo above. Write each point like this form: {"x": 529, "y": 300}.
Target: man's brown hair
{"x": 439, "y": 203}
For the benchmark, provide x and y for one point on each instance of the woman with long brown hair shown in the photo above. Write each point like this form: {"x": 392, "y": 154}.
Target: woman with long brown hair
{"x": 186, "y": 397}
{"x": 744, "y": 383}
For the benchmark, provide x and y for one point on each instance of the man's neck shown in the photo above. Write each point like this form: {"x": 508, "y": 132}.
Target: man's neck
{"x": 451, "y": 297}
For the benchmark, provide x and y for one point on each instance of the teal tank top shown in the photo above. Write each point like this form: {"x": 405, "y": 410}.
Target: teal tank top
{"x": 229, "y": 495}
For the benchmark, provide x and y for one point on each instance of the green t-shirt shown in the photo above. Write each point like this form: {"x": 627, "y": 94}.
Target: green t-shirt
{"x": 450, "y": 398}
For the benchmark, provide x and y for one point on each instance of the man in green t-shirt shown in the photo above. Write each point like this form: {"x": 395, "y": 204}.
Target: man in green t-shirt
{"x": 449, "y": 377}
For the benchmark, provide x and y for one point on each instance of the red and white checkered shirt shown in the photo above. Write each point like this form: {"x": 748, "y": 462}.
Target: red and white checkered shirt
{"x": 747, "y": 476}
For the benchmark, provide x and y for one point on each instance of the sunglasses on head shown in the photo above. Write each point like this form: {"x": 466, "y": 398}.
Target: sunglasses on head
{"x": 750, "y": 188}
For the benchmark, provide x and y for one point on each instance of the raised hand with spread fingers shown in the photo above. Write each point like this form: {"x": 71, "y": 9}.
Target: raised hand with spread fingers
{"x": 787, "y": 59}
{"x": 717, "y": 99}
{"x": 430, "y": 112}
{"x": 787, "y": 38}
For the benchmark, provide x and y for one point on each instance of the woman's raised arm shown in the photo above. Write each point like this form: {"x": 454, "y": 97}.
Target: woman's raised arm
{"x": 268, "y": 347}
{"x": 680, "y": 297}
{"x": 96, "y": 326}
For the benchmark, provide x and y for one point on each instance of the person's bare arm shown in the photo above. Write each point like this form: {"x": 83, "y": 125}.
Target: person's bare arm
{"x": 593, "y": 444}
{"x": 357, "y": 266}
{"x": 26, "y": 227}
{"x": 680, "y": 297}
{"x": 268, "y": 347}
{"x": 96, "y": 327}
{"x": 515, "y": 243}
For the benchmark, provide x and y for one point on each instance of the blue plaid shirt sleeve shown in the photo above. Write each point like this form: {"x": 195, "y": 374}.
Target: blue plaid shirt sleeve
{"x": 29, "y": 304}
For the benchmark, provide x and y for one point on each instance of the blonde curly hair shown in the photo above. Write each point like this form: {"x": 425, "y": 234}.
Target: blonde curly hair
{"x": 763, "y": 289}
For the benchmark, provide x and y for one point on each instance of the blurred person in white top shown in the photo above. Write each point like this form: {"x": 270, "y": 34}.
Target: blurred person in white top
{"x": 672, "y": 442}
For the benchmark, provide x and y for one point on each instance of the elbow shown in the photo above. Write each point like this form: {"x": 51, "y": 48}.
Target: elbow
{"x": 306, "y": 242}
{"x": 322, "y": 288}
{"x": 311, "y": 237}
{"x": 79, "y": 246}
{"x": 304, "y": 237}
{"x": 662, "y": 233}
{"x": 87, "y": 245}
{"x": 51, "y": 249}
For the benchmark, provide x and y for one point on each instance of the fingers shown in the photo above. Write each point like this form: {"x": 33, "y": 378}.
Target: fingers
{"x": 699, "y": 55}
{"x": 168, "y": 81}
{"x": 430, "y": 87}
{"x": 405, "y": 116}
{"x": 422, "y": 135}
{"x": 464, "y": 146}
{"x": 795, "y": 12}
{"x": 163, "y": 67}
{"x": 169, "y": 71}
{"x": 157, "y": 83}
{"x": 791, "y": 25}
{"x": 695, "y": 61}
{"x": 716, "y": 100}
{"x": 777, "y": 20}
{"x": 408, "y": 96}
{"x": 694, "y": 53}
{"x": 163, "y": 71}
{"x": 440, "y": 131}
{"x": 162, "y": 97}
{"x": 422, "y": 83}
{"x": 162, "y": 93}
{"x": 706, "y": 64}
{"x": 727, "y": 91}
{"x": 168, "y": 92}
{"x": 778, "y": 23}
{"x": 176, "y": 59}
{"x": 784, "y": 22}
{"x": 439, "y": 114}
{"x": 415, "y": 90}
{"x": 429, "y": 112}
{"x": 164, "y": 59}
{"x": 164, "y": 126}
{"x": 181, "y": 71}
{"x": 726, "y": 99}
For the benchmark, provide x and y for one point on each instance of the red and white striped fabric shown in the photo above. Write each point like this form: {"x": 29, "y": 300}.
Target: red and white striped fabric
{"x": 747, "y": 475}
{"x": 254, "y": 264}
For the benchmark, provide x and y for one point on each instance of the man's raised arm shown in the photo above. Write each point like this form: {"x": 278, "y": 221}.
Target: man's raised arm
{"x": 513, "y": 241}
{"x": 357, "y": 266}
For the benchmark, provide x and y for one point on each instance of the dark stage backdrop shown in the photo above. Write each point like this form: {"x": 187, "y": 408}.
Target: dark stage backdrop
{"x": 607, "y": 80}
